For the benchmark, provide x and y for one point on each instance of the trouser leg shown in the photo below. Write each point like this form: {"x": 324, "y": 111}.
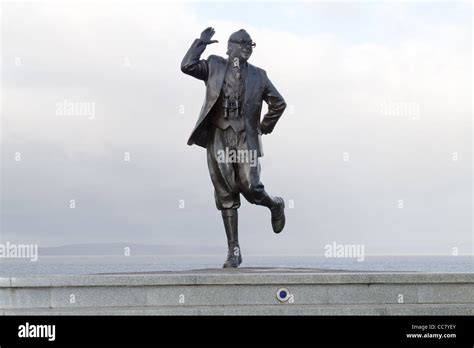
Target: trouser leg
{"x": 226, "y": 189}
{"x": 248, "y": 179}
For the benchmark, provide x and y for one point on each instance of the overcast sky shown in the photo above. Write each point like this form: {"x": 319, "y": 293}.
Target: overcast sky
{"x": 375, "y": 147}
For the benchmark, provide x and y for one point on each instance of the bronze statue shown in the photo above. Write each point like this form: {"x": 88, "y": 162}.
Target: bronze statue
{"x": 229, "y": 127}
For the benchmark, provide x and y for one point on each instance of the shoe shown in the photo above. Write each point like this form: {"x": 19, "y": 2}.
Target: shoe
{"x": 278, "y": 215}
{"x": 234, "y": 257}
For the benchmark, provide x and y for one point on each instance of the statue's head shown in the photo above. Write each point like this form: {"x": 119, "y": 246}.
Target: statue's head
{"x": 240, "y": 45}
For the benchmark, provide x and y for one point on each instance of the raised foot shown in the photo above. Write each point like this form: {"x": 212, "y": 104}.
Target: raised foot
{"x": 278, "y": 215}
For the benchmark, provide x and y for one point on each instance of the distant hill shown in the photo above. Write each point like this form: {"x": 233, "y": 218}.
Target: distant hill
{"x": 135, "y": 249}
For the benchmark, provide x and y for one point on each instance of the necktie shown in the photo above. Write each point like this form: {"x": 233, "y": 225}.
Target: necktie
{"x": 236, "y": 69}
{"x": 236, "y": 89}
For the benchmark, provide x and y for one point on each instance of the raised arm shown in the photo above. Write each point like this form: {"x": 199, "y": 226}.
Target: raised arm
{"x": 191, "y": 63}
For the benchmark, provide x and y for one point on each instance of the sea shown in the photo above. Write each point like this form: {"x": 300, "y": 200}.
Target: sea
{"x": 80, "y": 265}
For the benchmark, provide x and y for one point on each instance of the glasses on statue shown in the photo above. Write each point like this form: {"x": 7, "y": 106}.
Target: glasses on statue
{"x": 242, "y": 43}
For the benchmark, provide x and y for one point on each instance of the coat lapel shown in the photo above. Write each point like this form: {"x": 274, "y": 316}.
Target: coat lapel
{"x": 250, "y": 81}
{"x": 215, "y": 83}
{"x": 220, "y": 75}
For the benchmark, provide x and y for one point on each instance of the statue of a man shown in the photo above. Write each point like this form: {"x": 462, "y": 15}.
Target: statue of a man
{"x": 229, "y": 127}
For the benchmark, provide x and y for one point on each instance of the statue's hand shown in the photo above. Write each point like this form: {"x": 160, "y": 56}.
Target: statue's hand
{"x": 264, "y": 129}
{"x": 207, "y": 35}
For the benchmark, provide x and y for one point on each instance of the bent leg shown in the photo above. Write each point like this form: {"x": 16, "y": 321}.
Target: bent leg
{"x": 248, "y": 179}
